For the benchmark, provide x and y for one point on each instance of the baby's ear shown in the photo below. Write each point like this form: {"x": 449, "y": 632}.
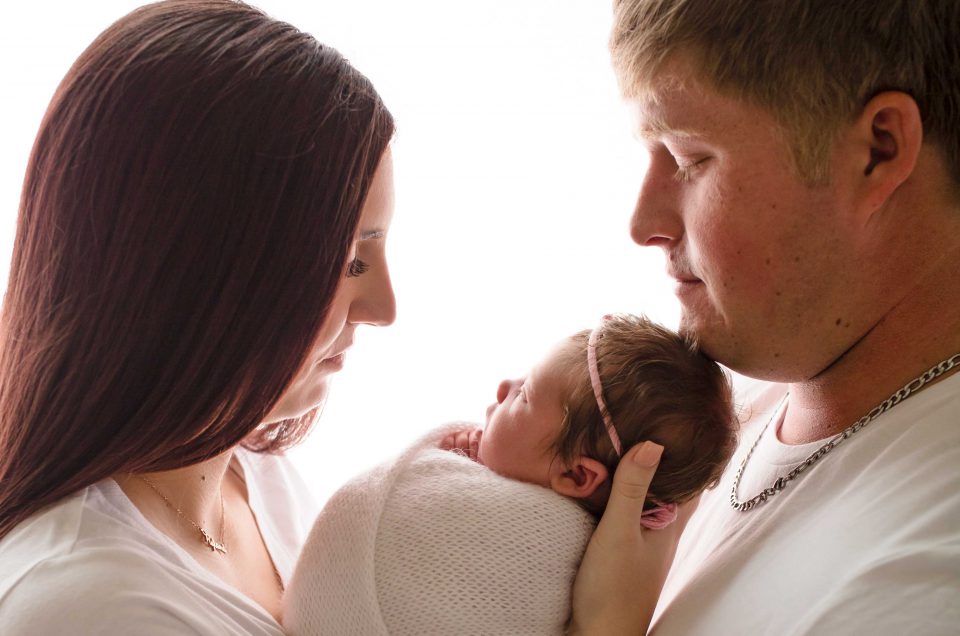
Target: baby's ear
{"x": 580, "y": 478}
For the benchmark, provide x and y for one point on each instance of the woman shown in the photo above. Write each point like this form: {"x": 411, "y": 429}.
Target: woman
{"x": 201, "y": 230}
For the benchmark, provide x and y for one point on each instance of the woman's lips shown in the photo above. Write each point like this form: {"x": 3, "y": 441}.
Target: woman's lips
{"x": 333, "y": 363}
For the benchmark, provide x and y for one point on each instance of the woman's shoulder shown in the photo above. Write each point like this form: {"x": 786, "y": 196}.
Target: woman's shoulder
{"x": 91, "y": 590}
{"x": 71, "y": 567}
{"x": 91, "y": 564}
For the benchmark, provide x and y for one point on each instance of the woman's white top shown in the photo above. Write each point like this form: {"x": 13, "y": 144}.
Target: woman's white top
{"x": 92, "y": 564}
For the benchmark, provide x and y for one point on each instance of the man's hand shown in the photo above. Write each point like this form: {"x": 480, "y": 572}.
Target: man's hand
{"x": 465, "y": 442}
{"x": 624, "y": 567}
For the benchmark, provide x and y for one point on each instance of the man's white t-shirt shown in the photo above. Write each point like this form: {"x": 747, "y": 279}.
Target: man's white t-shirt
{"x": 92, "y": 564}
{"x": 866, "y": 541}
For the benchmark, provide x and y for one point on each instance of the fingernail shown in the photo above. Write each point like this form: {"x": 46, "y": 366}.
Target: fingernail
{"x": 648, "y": 454}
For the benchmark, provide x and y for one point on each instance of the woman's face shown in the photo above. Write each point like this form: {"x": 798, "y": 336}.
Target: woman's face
{"x": 364, "y": 297}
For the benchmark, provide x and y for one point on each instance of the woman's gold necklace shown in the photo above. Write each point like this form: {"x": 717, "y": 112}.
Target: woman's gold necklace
{"x": 215, "y": 546}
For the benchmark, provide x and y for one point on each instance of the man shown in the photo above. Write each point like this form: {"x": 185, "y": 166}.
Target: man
{"x": 804, "y": 183}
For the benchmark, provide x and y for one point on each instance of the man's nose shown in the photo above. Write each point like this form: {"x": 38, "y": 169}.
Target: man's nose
{"x": 656, "y": 219}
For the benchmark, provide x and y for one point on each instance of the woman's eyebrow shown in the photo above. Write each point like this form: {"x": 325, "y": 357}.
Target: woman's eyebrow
{"x": 371, "y": 234}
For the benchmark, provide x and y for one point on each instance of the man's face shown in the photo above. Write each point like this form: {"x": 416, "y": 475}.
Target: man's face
{"x": 763, "y": 261}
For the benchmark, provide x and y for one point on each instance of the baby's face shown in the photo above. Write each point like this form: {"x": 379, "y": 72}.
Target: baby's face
{"x": 525, "y": 420}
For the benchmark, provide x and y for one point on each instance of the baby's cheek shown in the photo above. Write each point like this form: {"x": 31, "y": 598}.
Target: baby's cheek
{"x": 490, "y": 452}
{"x": 484, "y": 447}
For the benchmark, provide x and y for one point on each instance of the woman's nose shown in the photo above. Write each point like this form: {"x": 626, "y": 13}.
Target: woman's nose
{"x": 376, "y": 303}
{"x": 656, "y": 220}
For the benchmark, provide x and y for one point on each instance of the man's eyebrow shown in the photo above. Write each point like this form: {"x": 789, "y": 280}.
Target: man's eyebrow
{"x": 655, "y": 125}
{"x": 371, "y": 234}
{"x": 652, "y": 130}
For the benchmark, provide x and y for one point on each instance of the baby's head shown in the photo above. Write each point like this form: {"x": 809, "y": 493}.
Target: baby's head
{"x": 548, "y": 429}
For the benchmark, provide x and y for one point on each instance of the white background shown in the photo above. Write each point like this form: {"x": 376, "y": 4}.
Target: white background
{"x": 516, "y": 175}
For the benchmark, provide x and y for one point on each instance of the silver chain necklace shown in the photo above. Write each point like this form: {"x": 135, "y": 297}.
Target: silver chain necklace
{"x": 906, "y": 391}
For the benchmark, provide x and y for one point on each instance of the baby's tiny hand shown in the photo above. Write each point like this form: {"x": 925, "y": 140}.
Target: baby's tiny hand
{"x": 466, "y": 442}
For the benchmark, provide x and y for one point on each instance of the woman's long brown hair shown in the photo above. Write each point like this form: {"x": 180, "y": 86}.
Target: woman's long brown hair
{"x": 185, "y": 220}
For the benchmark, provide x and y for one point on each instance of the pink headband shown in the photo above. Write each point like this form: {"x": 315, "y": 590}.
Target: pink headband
{"x": 663, "y": 514}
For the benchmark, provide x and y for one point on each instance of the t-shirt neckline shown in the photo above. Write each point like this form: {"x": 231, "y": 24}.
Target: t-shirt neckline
{"x": 778, "y": 453}
{"x": 116, "y": 493}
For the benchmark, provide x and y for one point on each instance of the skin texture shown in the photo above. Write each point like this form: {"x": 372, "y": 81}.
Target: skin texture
{"x": 720, "y": 198}
{"x": 364, "y": 299}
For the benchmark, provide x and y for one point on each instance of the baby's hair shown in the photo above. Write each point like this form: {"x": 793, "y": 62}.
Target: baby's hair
{"x": 658, "y": 386}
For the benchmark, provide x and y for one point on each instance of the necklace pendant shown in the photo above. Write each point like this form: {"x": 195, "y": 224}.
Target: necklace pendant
{"x": 215, "y": 546}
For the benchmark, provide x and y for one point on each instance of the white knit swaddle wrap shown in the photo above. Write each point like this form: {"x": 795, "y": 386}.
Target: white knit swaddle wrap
{"x": 434, "y": 543}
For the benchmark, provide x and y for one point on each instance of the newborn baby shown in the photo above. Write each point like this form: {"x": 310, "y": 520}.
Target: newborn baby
{"x": 487, "y": 539}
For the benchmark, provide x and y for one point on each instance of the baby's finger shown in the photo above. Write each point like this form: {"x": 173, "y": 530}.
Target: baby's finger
{"x": 475, "y": 443}
{"x": 448, "y": 442}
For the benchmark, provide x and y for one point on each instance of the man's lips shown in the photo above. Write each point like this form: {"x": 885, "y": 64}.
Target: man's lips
{"x": 683, "y": 277}
{"x": 685, "y": 284}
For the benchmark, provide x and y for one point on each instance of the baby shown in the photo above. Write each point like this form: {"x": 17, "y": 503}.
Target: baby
{"x": 487, "y": 539}
{"x": 598, "y": 393}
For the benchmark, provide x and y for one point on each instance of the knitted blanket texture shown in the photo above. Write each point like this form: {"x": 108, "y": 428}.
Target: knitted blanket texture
{"x": 434, "y": 543}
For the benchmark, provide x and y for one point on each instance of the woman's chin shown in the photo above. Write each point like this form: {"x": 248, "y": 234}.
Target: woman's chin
{"x": 294, "y": 405}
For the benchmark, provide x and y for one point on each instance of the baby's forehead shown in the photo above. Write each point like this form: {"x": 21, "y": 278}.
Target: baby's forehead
{"x": 565, "y": 364}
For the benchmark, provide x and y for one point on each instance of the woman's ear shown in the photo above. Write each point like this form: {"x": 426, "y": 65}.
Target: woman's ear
{"x": 580, "y": 478}
{"x": 887, "y": 137}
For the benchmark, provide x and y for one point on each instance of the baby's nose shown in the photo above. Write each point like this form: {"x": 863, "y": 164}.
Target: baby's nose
{"x": 503, "y": 391}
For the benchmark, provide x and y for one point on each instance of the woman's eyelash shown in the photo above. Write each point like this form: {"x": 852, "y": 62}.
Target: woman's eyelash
{"x": 356, "y": 267}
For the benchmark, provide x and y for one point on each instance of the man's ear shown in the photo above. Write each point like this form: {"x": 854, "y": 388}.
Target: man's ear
{"x": 887, "y": 138}
{"x": 580, "y": 478}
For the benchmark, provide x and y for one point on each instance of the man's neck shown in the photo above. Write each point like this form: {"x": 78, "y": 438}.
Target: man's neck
{"x": 915, "y": 335}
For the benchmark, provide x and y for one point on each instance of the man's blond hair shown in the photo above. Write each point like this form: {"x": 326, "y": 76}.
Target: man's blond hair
{"x": 813, "y": 64}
